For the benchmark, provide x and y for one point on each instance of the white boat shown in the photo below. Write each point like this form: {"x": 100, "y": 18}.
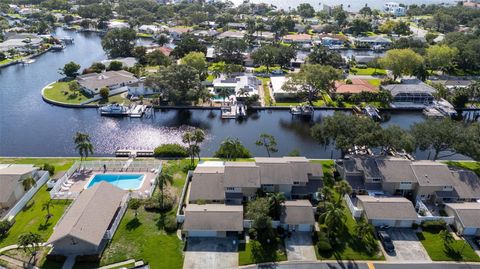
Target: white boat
{"x": 28, "y": 61}
{"x": 372, "y": 112}
{"x": 303, "y": 110}
{"x": 58, "y": 47}
{"x": 114, "y": 110}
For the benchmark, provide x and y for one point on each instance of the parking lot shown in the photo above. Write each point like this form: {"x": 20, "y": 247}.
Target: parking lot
{"x": 407, "y": 247}
{"x": 211, "y": 253}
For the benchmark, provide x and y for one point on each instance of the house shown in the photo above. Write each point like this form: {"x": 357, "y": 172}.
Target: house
{"x": 92, "y": 83}
{"x": 213, "y": 220}
{"x": 264, "y": 35}
{"x": 332, "y": 41}
{"x": 231, "y": 35}
{"x": 355, "y": 87}
{"x": 411, "y": 93}
{"x": 392, "y": 211}
{"x": 207, "y": 185}
{"x": 394, "y": 9}
{"x": 237, "y": 25}
{"x": 11, "y": 178}
{"x": 139, "y": 89}
{"x": 205, "y": 33}
{"x": 177, "y": 32}
{"x": 24, "y": 42}
{"x": 297, "y": 39}
{"x": 114, "y": 24}
{"x": 297, "y": 215}
{"x": 467, "y": 217}
{"x": 299, "y": 59}
{"x": 276, "y": 85}
{"x": 372, "y": 41}
{"x": 88, "y": 224}
{"x": 126, "y": 62}
{"x": 457, "y": 83}
{"x": 150, "y": 29}
{"x": 240, "y": 86}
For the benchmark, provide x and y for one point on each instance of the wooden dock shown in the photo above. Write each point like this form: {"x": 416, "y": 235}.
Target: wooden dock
{"x": 134, "y": 153}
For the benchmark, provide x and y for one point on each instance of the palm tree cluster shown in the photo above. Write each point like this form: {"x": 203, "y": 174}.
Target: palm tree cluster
{"x": 83, "y": 145}
{"x": 193, "y": 140}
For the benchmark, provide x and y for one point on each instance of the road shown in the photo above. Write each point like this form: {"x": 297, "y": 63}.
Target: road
{"x": 363, "y": 265}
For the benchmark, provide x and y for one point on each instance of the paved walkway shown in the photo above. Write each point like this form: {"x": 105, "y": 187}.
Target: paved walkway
{"x": 300, "y": 247}
{"x": 118, "y": 264}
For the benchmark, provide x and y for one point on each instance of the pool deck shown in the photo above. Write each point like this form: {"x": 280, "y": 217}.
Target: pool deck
{"x": 81, "y": 179}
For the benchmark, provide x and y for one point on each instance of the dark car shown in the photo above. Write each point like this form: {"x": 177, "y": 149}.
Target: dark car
{"x": 477, "y": 241}
{"x": 386, "y": 241}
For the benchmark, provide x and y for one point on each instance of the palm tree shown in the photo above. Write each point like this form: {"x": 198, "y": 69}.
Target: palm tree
{"x": 232, "y": 148}
{"x": 327, "y": 193}
{"x": 28, "y": 183}
{"x": 276, "y": 200}
{"x": 83, "y": 145}
{"x": 362, "y": 229}
{"x": 343, "y": 188}
{"x": 224, "y": 93}
{"x": 334, "y": 218}
{"x": 29, "y": 242}
{"x": 46, "y": 206}
{"x": 163, "y": 179}
{"x": 447, "y": 237}
{"x": 193, "y": 139}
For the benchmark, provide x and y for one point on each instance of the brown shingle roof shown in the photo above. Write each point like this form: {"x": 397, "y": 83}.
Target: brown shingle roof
{"x": 207, "y": 184}
{"x": 468, "y": 213}
{"x": 387, "y": 208}
{"x": 213, "y": 217}
{"x": 297, "y": 212}
{"x": 242, "y": 174}
{"x": 429, "y": 173}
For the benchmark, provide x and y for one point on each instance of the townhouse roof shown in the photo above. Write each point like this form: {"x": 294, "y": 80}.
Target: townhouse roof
{"x": 16, "y": 169}
{"x": 274, "y": 171}
{"x": 90, "y": 214}
{"x": 466, "y": 184}
{"x": 242, "y": 174}
{"x": 387, "y": 208}
{"x": 396, "y": 170}
{"x": 207, "y": 184}
{"x": 467, "y": 213}
{"x": 429, "y": 173}
{"x": 213, "y": 217}
{"x": 297, "y": 212}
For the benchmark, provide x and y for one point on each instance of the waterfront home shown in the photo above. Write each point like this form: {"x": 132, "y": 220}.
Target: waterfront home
{"x": 394, "y": 9}
{"x": 456, "y": 83}
{"x": 301, "y": 39}
{"x": 215, "y": 192}
{"x": 176, "y": 32}
{"x": 90, "y": 221}
{"x": 372, "y": 42}
{"x": 139, "y": 89}
{"x": 11, "y": 179}
{"x": 231, "y": 35}
{"x": 467, "y": 217}
{"x": 264, "y": 36}
{"x": 126, "y": 62}
{"x": 115, "y": 24}
{"x": 92, "y": 83}
{"x": 150, "y": 29}
{"x": 237, "y": 25}
{"x": 205, "y": 33}
{"x": 276, "y": 86}
{"x": 411, "y": 93}
{"x": 240, "y": 86}
{"x": 392, "y": 211}
{"x": 355, "y": 86}
{"x": 24, "y": 42}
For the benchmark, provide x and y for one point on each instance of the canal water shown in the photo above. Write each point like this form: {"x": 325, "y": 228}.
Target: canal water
{"x": 31, "y": 127}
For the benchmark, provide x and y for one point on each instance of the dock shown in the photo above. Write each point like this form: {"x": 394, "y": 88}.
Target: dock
{"x": 132, "y": 111}
{"x": 136, "y": 111}
{"x": 304, "y": 111}
{"x": 129, "y": 153}
{"x": 234, "y": 111}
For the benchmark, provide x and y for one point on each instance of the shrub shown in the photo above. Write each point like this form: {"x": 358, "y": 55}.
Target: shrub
{"x": 170, "y": 224}
{"x": 4, "y": 227}
{"x": 232, "y": 149}
{"x": 170, "y": 150}
{"x": 434, "y": 224}
{"x": 104, "y": 92}
{"x": 324, "y": 246}
{"x": 155, "y": 203}
{"x": 50, "y": 168}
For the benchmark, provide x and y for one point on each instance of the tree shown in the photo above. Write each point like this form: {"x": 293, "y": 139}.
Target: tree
{"x": 363, "y": 229}
{"x": 285, "y": 55}
{"x": 447, "y": 237}
{"x": 306, "y": 10}
{"x": 323, "y": 56}
{"x": 70, "y": 69}
{"x": 104, "y": 93}
{"x": 440, "y": 57}
{"x": 230, "y": 50}
{"x": 401, "y": 62}
{"x": 140, "y": 54}
{"x": 258, "y": 211}
{"x": 276, "y": 201}
{"x": 342, "y": 188}
{"x": 163, "y": 180}
{"x": 119, "y": 42}
{"x": 4, "y": 227}
{"x": 179, "y": 84}
{"x": 115, "y": 66}
{"x": 394, "y": 138}
{"x": 266, "y": 55}
{"x": 198, "y": 61}
{"x": 327, "y": 193}
{"x": 157, "y": 57}
{"x": 269, "y": 142}
{"x": 134, "y": 204}
{"x": 83, "y": 145}
{"x": 74, "y": 86}
{"x": 28, "y": 183}
{"x": 193, "y": 139}
{"x": 312, "y": 80}
{"x": 334, "y": 218}
{"x": 347, "y": 131}
{"x": 440, "y": 136}
{"x": 231, "y": 149}
{"x": 365, "y": 11}
{"x": 339, "y": 15}
{"x": 187, "y": 44}
{"x": 162, "y": 40}
{"x": 359, "y": 26}
{"x": 29, "y": 242}
{"x": 46, "y": 206}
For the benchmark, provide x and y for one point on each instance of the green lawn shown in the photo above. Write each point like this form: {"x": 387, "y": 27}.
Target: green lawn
{"x": 253, "y": 252}
{"x": 474, "y": 166}
{"x": 375, "y": 82}
{"x": 33, "y": 218}
{"x": 459, "y": 250}
{"x": 367, "y": 71}
{"x": 266, "y": 92}
{"x": 59, "y": 92}
{"x": 144, "y": 35}
{"x": 114, "y": 99}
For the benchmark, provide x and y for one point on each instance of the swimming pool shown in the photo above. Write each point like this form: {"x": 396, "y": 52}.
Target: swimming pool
{"x": 123, "y": 181}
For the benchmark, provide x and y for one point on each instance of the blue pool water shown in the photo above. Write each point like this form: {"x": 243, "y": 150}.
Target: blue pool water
{"x": 123, "y": 181}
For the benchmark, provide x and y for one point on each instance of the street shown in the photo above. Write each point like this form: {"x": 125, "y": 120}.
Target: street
{"x": 363, "y": 265}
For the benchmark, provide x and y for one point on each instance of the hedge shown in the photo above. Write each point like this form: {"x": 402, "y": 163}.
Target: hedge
{"x": 170, "y": 150}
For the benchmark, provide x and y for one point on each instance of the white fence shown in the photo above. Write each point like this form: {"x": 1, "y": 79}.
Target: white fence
{"x": 43, "y": 178}
{"x": 109, "y": 233}
{"x": 55, "y": 192}
{"x": 356, "y": 212}
{"x": 180, "y": 213}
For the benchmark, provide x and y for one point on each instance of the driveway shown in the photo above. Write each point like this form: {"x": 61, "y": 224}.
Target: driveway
{"x": 211, "y": 253}
{"x": 471, "y": 241}
{"x": 407, "y": 247}
{"x": 300, "y": 247}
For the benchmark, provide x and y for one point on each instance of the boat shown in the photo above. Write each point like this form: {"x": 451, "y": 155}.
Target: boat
{"x": 57, "y": 47}
{"x": 303, "y": 110}
{"x": 295, "y": 110}
{"x": 357, "y": 110}
{"x": 67, "y": 40}
{"x": 113, "y": 110}
{"x": 372, "y": 112}
{"x": 433, "y": 113}
{"x": 229, "y": 112}
{"x": 241, "y": 110}
{"x": 27, "y": 61}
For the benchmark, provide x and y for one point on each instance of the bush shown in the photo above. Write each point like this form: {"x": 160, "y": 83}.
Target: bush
{"x": 50, "y": 168}
{"x": 232, "y": 150}
{"x": 104, "y": 92}
{"x": 170, "y": 150}
{"x": 154, "y": 203}
{"x": 434, "y": 224}
{"x": 324, "y": 246}
{"x": 170, "y": 224}
{"x": 4, "y": 227}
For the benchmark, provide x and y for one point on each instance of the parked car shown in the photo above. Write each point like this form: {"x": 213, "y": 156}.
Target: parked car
{"x": 477, "y": 241}
{"x": 386, "y": 241}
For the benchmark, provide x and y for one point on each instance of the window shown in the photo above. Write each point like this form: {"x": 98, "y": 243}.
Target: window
{"x": 230, "y": 188}
{"x": 296, "y": 182}
{"x": 376, "y": 179}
